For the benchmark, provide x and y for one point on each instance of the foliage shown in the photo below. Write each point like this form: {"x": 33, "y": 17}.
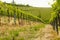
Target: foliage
{"x": 56, "y": 10}
{"x": 28, "y": 12}
{"x": 13, "y": 11}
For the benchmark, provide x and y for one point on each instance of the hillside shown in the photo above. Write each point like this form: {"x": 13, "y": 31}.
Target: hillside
{"x": 24, "y": 22}
{"x": 41, "y": 13}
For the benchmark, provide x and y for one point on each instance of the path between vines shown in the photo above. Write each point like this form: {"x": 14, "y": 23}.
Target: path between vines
{"x": 46, "y": 33}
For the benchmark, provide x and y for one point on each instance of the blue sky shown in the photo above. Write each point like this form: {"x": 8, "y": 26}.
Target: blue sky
{"x": 36, "y": 3}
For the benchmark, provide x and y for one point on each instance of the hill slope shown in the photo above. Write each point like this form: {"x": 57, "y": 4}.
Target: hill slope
{"x": 39, "y": 13}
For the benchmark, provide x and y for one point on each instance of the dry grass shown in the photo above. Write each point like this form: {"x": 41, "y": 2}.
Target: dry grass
{"x": 28, "y": 31}
{"x": 4, "y": 21}
{"x": 11, "y": 31}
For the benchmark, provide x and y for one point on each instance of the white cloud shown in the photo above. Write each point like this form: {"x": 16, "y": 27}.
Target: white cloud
{"x": 37, "y": 3}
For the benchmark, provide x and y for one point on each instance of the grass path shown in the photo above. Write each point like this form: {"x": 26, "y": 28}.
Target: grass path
{"x": 29, "y": 33}
{"x": 46, "y": 33}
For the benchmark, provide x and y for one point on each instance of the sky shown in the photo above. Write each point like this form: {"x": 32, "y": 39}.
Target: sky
{"x": 35, "y": 3}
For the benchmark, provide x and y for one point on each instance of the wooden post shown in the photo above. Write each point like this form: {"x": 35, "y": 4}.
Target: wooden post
{"x": 53, "y": 23}
{"x": 18, "y": 18}
{"x": 56, "y": 24}
{"x": 59, "y": 19}
{"x": 26, "y": 20}
{"x": 14, "y": 18}
{"x": 21, "y": 19}
{"x": 0, "y": 17}
{"x": 8, "y": 15}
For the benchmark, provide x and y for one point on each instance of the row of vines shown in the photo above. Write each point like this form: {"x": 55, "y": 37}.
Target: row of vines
{"x": 14, "y": 11}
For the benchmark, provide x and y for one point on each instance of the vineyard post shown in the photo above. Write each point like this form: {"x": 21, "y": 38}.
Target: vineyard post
{"x": 8, "y": 15}
{"x": 11, "y": 16}
{"x": 56, "y": 24}
{"x": 21, "y": 19}
{"x": 14, "y": 17}
{"x": 30, "y": 21}
{"x": 14, "y": 12}
{"x": 59, "y": 18}
{"x": 53, "y": 23}
{"x": 26, "y": 19}
{"x": 0, "y": 17}
{"x": 18, "y": 17}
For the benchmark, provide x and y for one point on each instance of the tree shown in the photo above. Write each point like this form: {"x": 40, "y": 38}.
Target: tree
{"x": 27, "y": 5}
